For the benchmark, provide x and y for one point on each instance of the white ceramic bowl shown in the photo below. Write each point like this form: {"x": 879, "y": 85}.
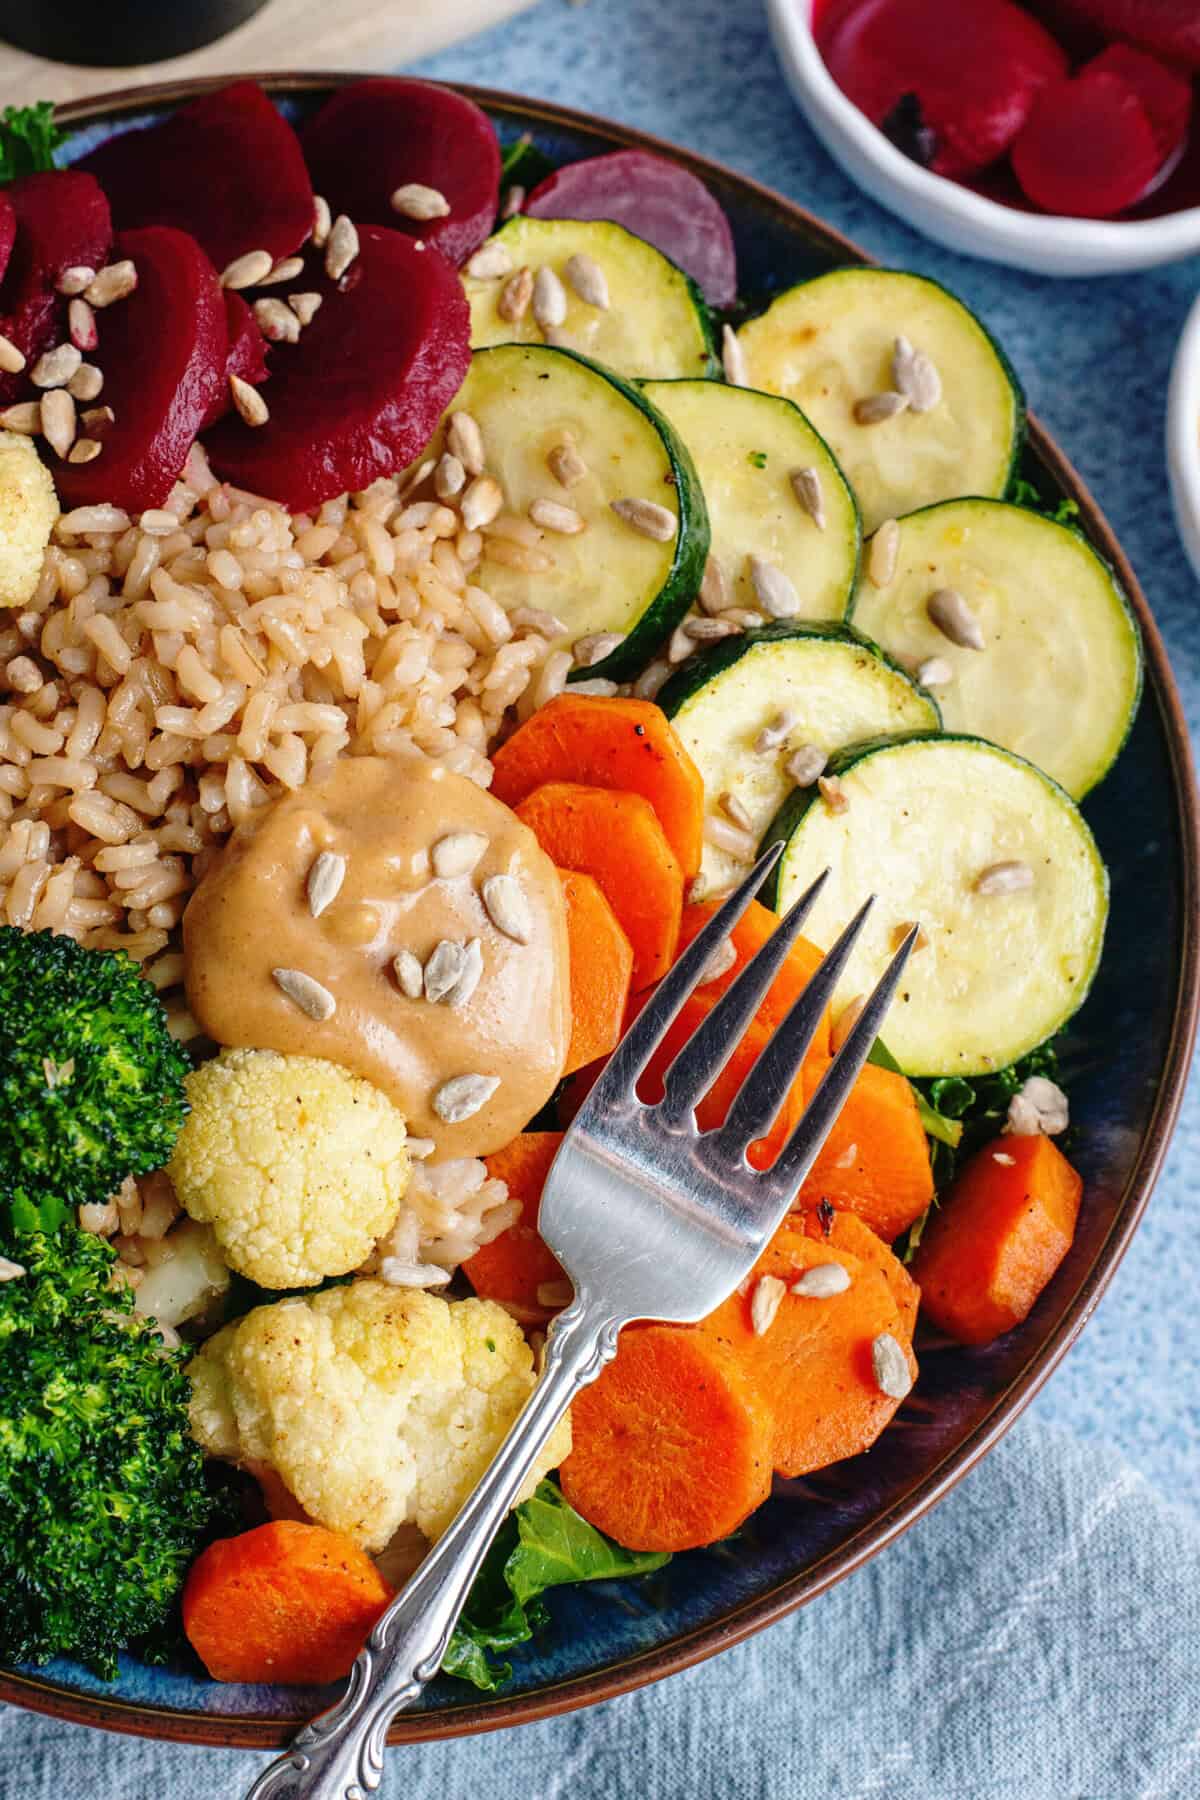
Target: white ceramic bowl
{"x": 943, "y": 209}
{"x": 1183, "y": 436}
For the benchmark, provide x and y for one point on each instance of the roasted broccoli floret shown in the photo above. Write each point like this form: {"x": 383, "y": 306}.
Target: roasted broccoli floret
{"x": 91, "y": 1081}
{"x": 103, "y": 1495}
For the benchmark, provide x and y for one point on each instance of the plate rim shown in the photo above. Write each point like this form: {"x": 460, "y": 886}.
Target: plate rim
{"x": 169, "y": 1724}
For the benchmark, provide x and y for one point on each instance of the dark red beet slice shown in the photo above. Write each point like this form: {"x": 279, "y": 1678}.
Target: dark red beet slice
{"x": 958, "y": 78}
{"x": 379, "y": 135}
{"x": 245, "y": 355}
{"x": 227, "y": 168}
{"x": 162, "y": 351}
{"x": 1169, "y": 28}
{"x": 8, "y": 231}
{"x": 1087, "y": 149}
{"x": 659, "y": 201}
{"x": 1165, "y": 93}
{"x": 361, "y": 394}
{"x": 62, "y": 221}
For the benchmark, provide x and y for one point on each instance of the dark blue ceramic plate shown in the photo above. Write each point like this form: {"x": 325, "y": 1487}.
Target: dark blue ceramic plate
{"x": 1126, "y": 1058}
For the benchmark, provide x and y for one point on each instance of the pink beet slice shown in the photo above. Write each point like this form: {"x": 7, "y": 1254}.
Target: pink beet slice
{"x": 379, "y": 135}
{"x": 361, "y": 394}
{"x": 62, "y": 221}
{"x": 8, "y": 231}
{"x": 227, "y": 168}
{"x": 162, "y": 351}
{"x": 659, "y": 201}
{"x": 245, "y": 355}
{"x": 1087, "y": 149}
{"x": 1165, "y": 93}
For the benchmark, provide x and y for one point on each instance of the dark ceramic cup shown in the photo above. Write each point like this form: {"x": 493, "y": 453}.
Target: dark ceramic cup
{"x": 119, "y": 33}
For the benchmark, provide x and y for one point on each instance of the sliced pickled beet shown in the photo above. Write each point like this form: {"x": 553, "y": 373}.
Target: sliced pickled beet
{"x": 62, "y": 222}
{"x": 227, "y": 168}
{"x": 659, "y": 201}
{"x": 1087, "y": 149}
{"x": 8, "y": 231}
{"x": 1169, "y": 28}
{"x": 245, "y": 354}
{"x": 361, "y": 393}
{"x": 1165, "y": 93}
{"x": 162, "y": 352}
{"x": 379, "y": 135}
{"x": 972, "y": 70}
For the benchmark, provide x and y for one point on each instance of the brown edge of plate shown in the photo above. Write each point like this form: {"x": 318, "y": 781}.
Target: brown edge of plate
{"x": 684, "y": 1652}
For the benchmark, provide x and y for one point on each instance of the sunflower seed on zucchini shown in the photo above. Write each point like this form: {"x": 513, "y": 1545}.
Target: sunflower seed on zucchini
{"x": 747, "y": 448}
{"x": 1060, "y": 674}
{"x": 655, "y": 324}
{"x": 748, "y": 709}
{"x": 608, "y": 577}
{"x": 831, "y": 346}
{"x": 927, "y": 824}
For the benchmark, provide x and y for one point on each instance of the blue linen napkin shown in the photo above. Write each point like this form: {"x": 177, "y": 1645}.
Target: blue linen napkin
{"x": 1036, "y": 1638}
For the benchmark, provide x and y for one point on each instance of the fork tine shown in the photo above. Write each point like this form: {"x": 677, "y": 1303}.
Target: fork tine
{"x": 648, "y": 1029}
{"x": 763, "y": 1091}
{"x": 800, "y": 1152}
{"x": 707, "y": 1051}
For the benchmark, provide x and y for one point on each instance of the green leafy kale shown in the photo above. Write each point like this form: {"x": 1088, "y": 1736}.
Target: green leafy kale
{"x": 28, "y": 139}
{"x": 91, "y": 1081}
{"x": 544, "y": 1544}
{"x": 522, "y": 163}
{"x": 1061, "y": 510}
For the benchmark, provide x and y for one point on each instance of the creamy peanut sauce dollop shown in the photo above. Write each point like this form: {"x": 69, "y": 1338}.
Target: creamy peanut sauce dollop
{"x": 393, "y": 821}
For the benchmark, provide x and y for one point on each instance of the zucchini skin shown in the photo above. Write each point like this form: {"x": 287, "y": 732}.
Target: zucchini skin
{"x": 699, "y": 670}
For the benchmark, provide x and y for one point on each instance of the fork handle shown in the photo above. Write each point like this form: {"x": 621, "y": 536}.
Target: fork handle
{"x": 339, "y": 1756}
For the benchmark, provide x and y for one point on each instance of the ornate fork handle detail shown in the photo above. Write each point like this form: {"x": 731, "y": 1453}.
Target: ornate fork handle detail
{"x": 339, "y": 1756}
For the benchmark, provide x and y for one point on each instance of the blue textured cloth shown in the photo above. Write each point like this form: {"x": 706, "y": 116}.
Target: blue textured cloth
{"x": 1038, "y": 1636}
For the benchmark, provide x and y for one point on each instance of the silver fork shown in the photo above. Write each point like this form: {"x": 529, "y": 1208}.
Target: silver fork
{"x": 652, "y": 1219}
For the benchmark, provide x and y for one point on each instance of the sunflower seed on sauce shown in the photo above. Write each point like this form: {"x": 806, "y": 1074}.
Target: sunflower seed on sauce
{"x": 248, "y": 270}
{"x": 954, "y": 619}
{"x": 515, "y": 296}
{"x": 915, "y": 376}
{"x": 873, "y": 409}
{"x": 324, "y": 882}
{"x": 457, "y": 854}
{"x": 322, "y": 222}
{"x": 286, "y": 269}
{"x": 765, "y": 1302}
{"x": 12, "y": 360}
{"x": 114, "y": 282}
{"x": 775, "y": 593}
{"x": 74, "y": 280}
{"x": 58, "y": 420}
{"x": 805, "y": 765}
{"x": 733, "y": 359}
{"x": 552, "y": 515}
{"x": 471, "y": 975}
{"x": 416, "y": 201}
{"x": 588, "y": 279}
{"x": 314, "y": 1000}
{"x": 465, "y": 440}
{"x": 489, "y": 262}
{"x": 1013, "y": 877}
{"x": 822, "y": 1281}
{"x": 449, "y": 478}
{"x": 776, "y": 732}
{"x": 565, "y": 463}
{"x": 935, "y": 672}
{"x": 342, "y": 248}
{"x": 56, "y": 367}
{"x": 549, "y": 302}
{"x": 410, "y": 976}
{"x": 892, "y": 1376}
{"x": 719, "y": 963}
{"x": 249, "y": 402}
{"x": 833, "y": 793}
{"x": 729, "y": 838}
{"x": 419, "y": 1148}
{"x": 716, "y": 594}
{"x": 883, "y": 553}
{"x": 462, "y": 1096}
{"x": 647, "y": 517}
{"x": 507, "y": 907}
{"x": 846, "y": 1020}
{"x": 277, "y": 322}
{"x": 733, "y": 809}
{"x": 806, "y": 485}
{"x": 592, "y": 649}
{"x": 444, "y": 970}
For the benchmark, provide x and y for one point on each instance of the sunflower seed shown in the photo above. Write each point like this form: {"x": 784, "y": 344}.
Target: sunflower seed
{"x": 457, "y": 854}
{"x": 84, "y": 450}
{"x": 58, "y": 420}
{"x": 776, "y": 732}
{"x": 775, "y": 593}
{"x": 765, "y": 1301}
{"x": 465, "y": 440}
{"x": 1005, "y": 878}
{"x": 729, "y": 838}
{"x": 597, "y": 688}
{"x": 514, "y": 200}
{"x": 277, "y": 322}
{"x": 845, "y": 1159}
{"x": 418, "y": 1147}
{"x": 592, "y": 649}
{"x": 471, "y": 975}
{"x": 462, "y": 1096}
{"x": 806, "y": 485}
{"x": 249, "y": 402}
{"x": 833, "y": 793}
{"x": 954, "y": 619}
{"x": 515, "y": 296}
{"x": 449, "y": 478}
{"x": 81, "y": 325}
{"x": 25, "y": 417}
{"x": 883, "y": 553}
{"x": 86, "y": 383}
{"x": 416, "y": 201}
{"x": 733, "y": 359}
{"x": 481, "y": 502}
{"x": 652, "y": 679}
{"x": 549, "y": 298}
{"x": 915, "y": 376}
{"x": 116, "y": 282}
{"x": 890, "y": 1364}
{"x": 733, "y": 809}
{"x": 716, "y": 594}
{"x": 248, "y": 270}
{"x": 555, "y": 1293}
{"x": 711, "y": 631}
{"x": 1039, "y": 1107}
{"x": 489, "y": 262}
{"x": 718, "y": 964}
{"x": 551, "y": 515}
{"x": 305, "y": 306}
{"x": 565, "y": 463}
{"x": 679, "y": 645}
{"x": 647, "y": 517}
{"x": 935, "y": 672}
{"x": 10, "y": 1270}
{"x": 902, "y": 930}
{"x": 873, "y": 409}
{"x": 588, "y": 279}
{"x": 507, "y": 907}
{"x": 324, "y": 882}
{"x": 286, "y": 269}
{"x": 74, "y": 280}
{"x": 805, "y": 765}
{"x": 444, "y": 970}
{"x": 846, "y": 1020}
{"x": 322, "y": 222}
{"x": 1003, "y": 1158}
{"x": 342, "y": 247}
{"x": 822, "y": 1281}
{"x": 410, "y": 977}
{"x": 312, "y": 999}
{"x": 56, "y": 367}
{"x": 12, "y": 360}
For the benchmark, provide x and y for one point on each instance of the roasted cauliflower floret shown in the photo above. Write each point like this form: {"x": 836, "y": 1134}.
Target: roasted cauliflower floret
{"x": 28, "y": 509}
{"x": 298, "y": 1165}
{"x": 376, "y": 1406}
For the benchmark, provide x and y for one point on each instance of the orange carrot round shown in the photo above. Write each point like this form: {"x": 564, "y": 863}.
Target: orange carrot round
{"x": 284, "y": 1602}
{"x": 672, "y": 1445}
{"x": 748, "y": 936}
{"x": 846, "y": 1231}
{"x": 609, "y": 743}
{"x": 601, "y": 969}
{"x": 875, "y": 1161}
{"x": 517, "y": 1263}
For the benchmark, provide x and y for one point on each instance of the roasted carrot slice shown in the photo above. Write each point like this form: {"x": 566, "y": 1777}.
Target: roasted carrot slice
{"x": 748, "y": 937}
{"x": 601, "y": 970}
{"x": 515, "y": 1265}
{"x": 284, "y": 1602}
{"x": 875, "y": 1161}
{"x": 672, "y": 1445}
{"x": 846, "y": 1231}
{"x": 615, "y": 838}
{"x": 609, "y": 743}
{"x": 997, "y": 1237}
